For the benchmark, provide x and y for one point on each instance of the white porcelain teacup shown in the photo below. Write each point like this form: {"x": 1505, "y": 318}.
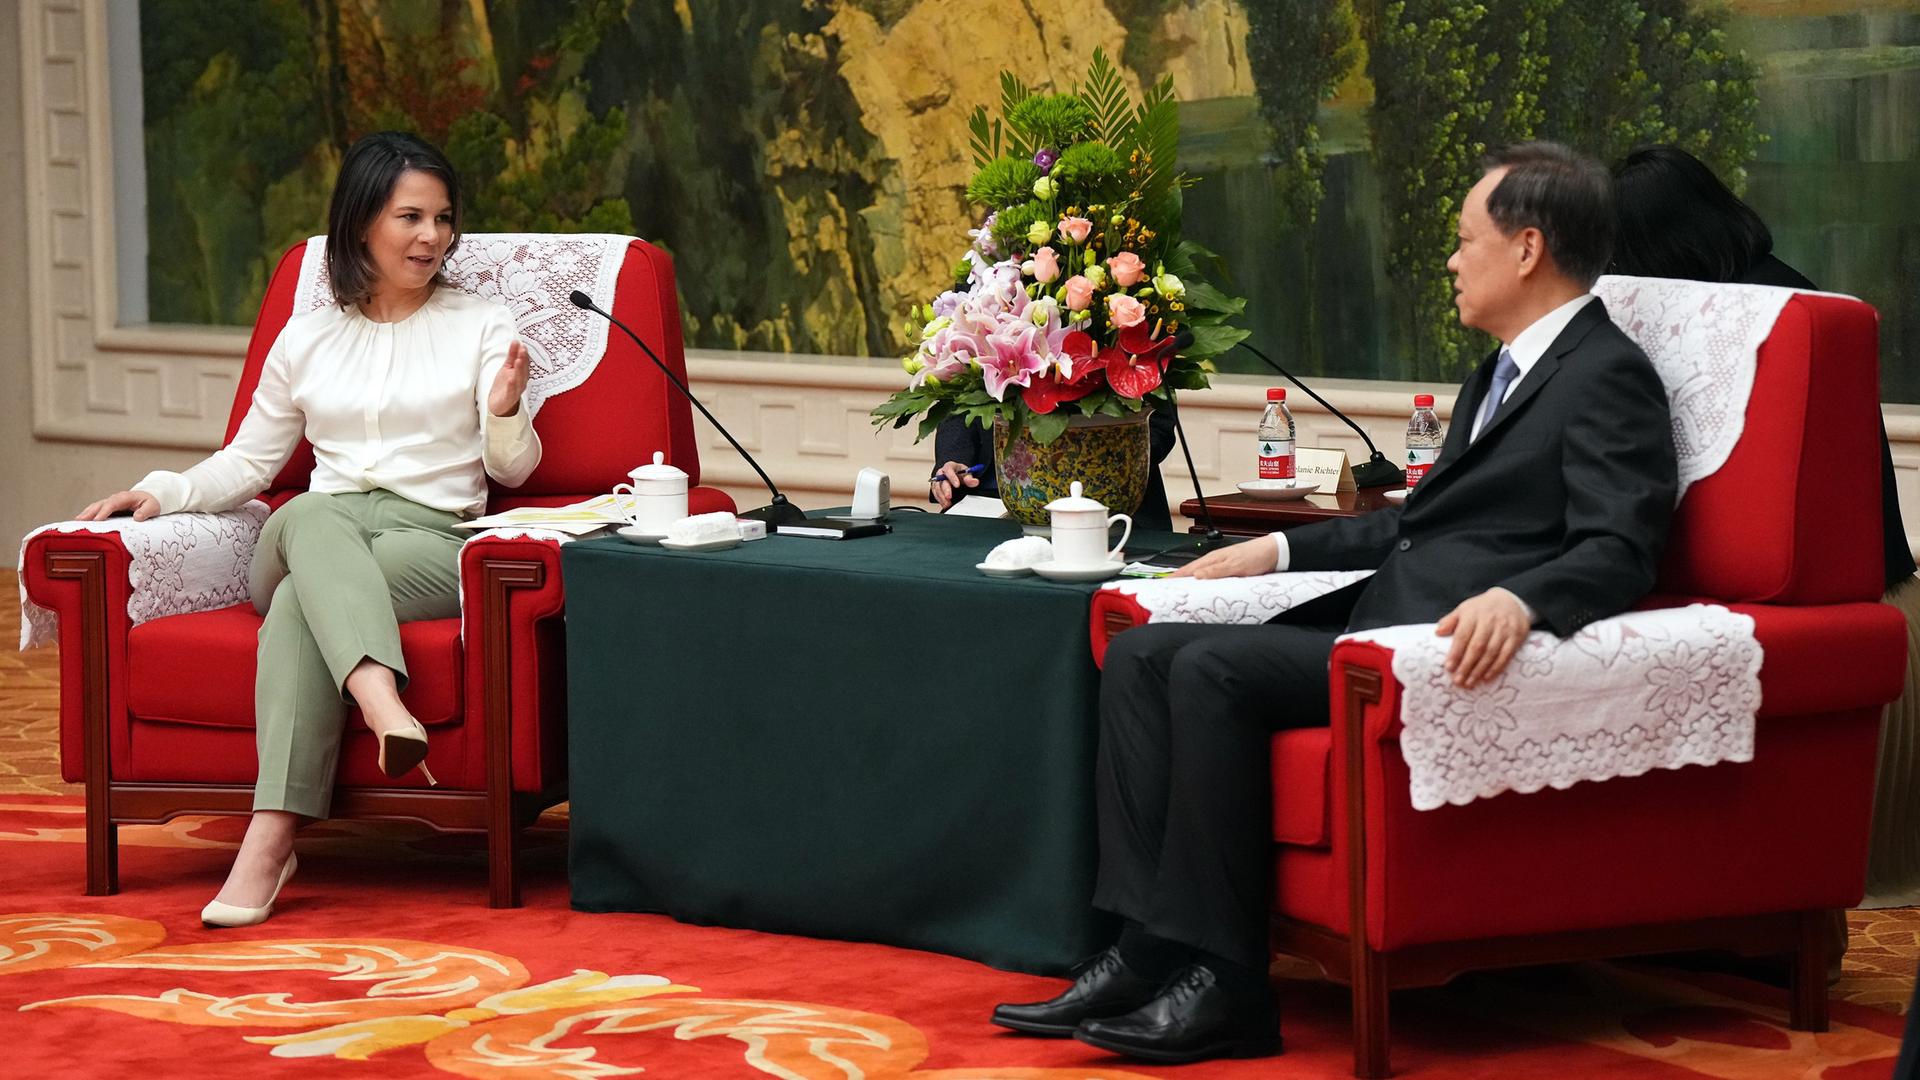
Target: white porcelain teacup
{"x": 1079, "y": 531}
{"x": 657, "y": 497}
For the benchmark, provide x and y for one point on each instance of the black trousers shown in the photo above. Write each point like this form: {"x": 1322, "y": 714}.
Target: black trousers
{"x": 1183, "y": 783}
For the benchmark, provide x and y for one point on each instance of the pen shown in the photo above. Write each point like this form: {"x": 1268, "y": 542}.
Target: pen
{"x": 976, "y": 470}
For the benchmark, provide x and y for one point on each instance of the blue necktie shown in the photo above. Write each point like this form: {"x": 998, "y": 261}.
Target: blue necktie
{"x": 1503, "y": 376}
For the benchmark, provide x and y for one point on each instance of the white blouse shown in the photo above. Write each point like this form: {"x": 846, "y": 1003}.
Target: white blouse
{"x": 400, "y": 406}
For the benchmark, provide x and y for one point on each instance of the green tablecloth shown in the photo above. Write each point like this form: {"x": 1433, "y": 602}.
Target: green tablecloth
{"x": 865, "y": 740}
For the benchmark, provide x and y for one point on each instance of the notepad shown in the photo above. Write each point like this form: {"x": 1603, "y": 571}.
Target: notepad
{"x": 980, "y": 506}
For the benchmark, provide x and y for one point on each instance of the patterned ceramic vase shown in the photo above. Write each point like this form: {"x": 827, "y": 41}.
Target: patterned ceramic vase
{"x": 1109, "y": 455}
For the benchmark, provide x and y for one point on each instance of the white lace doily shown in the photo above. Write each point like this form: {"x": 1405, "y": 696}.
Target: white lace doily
{"x": 178, "y": 563}
{"x": 1643, "y": 690}
{"x": 532, "y": 274}
{"x": 1704, "y": 339}
{"x": 1232, "y": 601}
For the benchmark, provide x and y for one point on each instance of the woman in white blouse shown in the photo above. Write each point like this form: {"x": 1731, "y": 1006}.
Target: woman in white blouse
{"x": 410, "y": 392}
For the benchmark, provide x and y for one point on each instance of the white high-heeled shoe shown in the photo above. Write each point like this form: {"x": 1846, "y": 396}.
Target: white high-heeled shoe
{"x": 231, "y": 915}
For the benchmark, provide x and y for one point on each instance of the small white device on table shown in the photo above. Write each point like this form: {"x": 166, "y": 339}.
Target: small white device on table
{"x": 872, "y": 495}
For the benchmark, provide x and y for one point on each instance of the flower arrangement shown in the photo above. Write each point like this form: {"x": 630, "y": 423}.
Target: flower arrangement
{"x": 1078, "y": 295}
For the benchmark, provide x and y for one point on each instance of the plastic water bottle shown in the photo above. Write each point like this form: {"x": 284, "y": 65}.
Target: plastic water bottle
{"x": 1276, "y": 437}
{"x": 1423, "y": 439}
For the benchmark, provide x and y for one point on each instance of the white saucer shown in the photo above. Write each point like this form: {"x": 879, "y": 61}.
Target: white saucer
{"x": 635, "y": 535}
{"x": 1003, "y": 571}
{"x": 1277, "y": 489}
{"x": 1102, "y": 572}
{"x": 721, "y": 544}
{"x": 1397, "y": 495}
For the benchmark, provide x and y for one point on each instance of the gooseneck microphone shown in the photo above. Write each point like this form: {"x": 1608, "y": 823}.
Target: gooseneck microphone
{"x": 1213, "y": 537}
{"x": 777, "y": 512}
{"x": 1376, "y": 471}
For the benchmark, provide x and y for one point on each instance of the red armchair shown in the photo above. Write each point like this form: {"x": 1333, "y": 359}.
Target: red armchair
{"x": 1746, "y": 857}
{"x": 157, "y": 719}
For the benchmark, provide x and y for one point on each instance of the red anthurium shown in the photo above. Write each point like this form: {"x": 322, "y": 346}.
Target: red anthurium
{"x": 1048, "y": 392}
{"x": 1131, "y": 376}
{"x": 1138, "y": 340}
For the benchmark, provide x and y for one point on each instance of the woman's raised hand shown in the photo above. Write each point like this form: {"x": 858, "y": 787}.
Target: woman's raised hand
{"x": 142, "y": 504}
{"x": 504, "y": 398}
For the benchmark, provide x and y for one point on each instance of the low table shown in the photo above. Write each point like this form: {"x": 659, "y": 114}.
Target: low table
{"x": 865, "y": 739}
{"x": 1243, "y": 515}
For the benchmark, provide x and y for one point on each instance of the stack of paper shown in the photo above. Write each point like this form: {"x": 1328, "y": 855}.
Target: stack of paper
{"x": 578, "y": 519}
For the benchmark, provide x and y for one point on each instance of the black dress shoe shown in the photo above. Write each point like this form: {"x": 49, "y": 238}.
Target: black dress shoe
{"x": 1104, "y": 986}
{"x": 1193, "y": 1019}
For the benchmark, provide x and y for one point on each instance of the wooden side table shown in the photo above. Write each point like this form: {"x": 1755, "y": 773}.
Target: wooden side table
{"x": 1242, "y": 515}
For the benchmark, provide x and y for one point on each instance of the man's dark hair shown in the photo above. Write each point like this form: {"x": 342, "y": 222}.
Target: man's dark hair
{"x": 368, "y": 174}
{"x": 1567, "y": 195}
{"x": 1678, "y": 220}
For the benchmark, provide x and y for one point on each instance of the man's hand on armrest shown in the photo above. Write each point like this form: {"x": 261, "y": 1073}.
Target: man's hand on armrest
{"x": 1261, "y": 555}
{"x": 1486, "y": 630}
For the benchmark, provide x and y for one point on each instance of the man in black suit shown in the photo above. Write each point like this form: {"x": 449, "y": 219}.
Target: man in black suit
{"x": 1549, "y": 507}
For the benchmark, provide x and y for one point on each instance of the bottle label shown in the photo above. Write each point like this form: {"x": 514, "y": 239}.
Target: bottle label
{"x": 1276, "y": 459}
{"x": 1420, "y": 460}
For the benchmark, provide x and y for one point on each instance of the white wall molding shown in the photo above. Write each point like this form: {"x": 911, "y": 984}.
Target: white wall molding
{"x": 93, "y": 381}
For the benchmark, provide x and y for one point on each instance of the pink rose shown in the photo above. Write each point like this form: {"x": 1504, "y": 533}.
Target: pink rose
{"x": 1046, "y": 266}
{"x": 1076, "y": 228}
{"x": 1127, "y": 269}
{"x": 1079, "y": 293}
{"x": 1125, "y": 311}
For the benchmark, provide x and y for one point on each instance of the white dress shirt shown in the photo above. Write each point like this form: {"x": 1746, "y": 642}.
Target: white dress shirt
{"x": 1527, "y": 348}
{"x": 395, "y": 405}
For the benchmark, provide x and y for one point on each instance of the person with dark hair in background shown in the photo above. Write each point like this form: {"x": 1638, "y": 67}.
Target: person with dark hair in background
{"x": 1549, "y": 507}
{"x": 958, "y": 446}
{"x": 1677, "y": 220}
{"x": 411, "y": 393}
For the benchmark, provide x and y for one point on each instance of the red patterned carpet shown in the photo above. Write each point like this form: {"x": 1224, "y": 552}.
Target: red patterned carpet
{"x": 384, "y": 962}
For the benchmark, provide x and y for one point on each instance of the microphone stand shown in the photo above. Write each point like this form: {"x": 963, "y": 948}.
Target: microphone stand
{"x": 1213, "y": 537}
{"x": 777, "y": 512}
{"x": 1374, "y": 472}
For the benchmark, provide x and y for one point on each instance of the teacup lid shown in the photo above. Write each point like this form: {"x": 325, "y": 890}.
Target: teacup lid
{"x": 659, "y": 477}
{"x": 1075, "y": 501}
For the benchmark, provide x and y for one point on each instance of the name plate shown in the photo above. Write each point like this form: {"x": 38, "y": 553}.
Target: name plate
{"x": 1326, "y": 468}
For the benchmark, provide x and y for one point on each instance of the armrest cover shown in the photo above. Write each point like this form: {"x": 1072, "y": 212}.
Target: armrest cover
{"x": 175, "y": 564}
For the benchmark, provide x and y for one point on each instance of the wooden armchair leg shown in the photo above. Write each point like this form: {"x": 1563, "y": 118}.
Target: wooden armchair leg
{"x": 503, "y": 870}
{"x": 1809, "y": 981}
{"x": 103, "y": 851}
{"x": 1371, "y": 1033}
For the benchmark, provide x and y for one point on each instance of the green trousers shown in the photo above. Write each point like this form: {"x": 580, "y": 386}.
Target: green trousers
{"x": 335, "y": 576}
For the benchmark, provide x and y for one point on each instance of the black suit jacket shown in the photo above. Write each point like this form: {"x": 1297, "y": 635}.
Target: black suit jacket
{"x": 1564, "y": 500}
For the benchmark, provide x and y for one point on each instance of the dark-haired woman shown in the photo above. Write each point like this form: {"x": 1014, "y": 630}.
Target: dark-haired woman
{"x": 410, "y": 392}
{"x": 1678, "y": 220}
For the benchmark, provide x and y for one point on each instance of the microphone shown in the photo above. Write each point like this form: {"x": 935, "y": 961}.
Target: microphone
{"x": 777, "y": 512}
{"x": 1376, "y": 471}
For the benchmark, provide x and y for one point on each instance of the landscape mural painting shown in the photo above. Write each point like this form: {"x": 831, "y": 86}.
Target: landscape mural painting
{"x": 805, "y": 160}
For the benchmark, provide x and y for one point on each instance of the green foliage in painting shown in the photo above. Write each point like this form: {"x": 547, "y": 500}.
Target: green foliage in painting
{"x": 1302, "y": 50}
{"x": 1455, "y": 77}
{"x": 251, "y": 103}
